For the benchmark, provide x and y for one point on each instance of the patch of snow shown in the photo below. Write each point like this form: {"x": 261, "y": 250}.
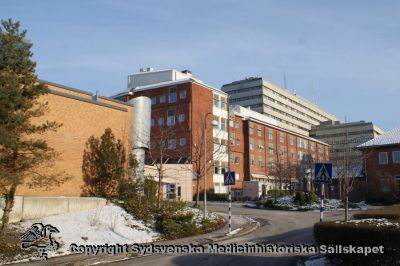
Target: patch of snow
{"x": 234, "y": 232}
{"x": 198, "y": 215}
{"x": 317, "y": 261}
{"x": 109, "y": 224}
{"x": 373, "y": 222}
{"x": 288, "y": 201}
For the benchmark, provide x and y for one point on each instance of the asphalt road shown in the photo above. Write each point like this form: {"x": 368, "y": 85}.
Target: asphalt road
{"x": 277, "y": 227}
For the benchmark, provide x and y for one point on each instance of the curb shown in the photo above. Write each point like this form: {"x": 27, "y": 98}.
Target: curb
{"x": 84, "y": 260}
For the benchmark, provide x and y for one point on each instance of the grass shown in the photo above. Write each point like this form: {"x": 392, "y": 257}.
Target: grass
{"x": 389, "y": 212}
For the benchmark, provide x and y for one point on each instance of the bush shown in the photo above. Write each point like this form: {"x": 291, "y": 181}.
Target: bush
{"x": 388, "y": 212}
{"x": 213, "y": 197}
{"x": 269, "y": 204}
{"x": 304, "y": 198}
{"x": 175, "y": 225}
{"x": 362, "y": 234}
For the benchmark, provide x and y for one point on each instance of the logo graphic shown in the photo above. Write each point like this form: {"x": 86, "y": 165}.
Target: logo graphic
{"x": 40, "y": 237}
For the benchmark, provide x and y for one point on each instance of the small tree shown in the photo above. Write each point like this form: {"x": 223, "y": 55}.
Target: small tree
{"x": 24, "y": 157}
{"x": 104, "y": 165}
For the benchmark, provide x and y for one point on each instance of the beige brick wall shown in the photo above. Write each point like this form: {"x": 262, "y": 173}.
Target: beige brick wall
{"x": 80, "y": 120}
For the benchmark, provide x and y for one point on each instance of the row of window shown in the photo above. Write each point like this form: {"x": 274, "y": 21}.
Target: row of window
{"x": 383, "y": 157}
{"x": 385, "y": 184}
{"x": 220, "y": 123}
{"x": 298, "y": 104}
{"x": 220, "y": 102}
{"x": 172, "y": 96}
{"x": 342, "y": 134}
{"x": 171, "y": 143}
{"x": 170, "y": 119}
{"x": 287, "y": 114}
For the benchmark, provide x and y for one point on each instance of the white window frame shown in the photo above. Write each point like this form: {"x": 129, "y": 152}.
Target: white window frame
{"x": 182, "y": 94}
{"x": 386, "y": 161}
{"x": 398, "y": 157}
{"x": 163, "y": 98}
{"x": 182, "y": 118}
{"x": 172, "y": 143}
{"x": 182, "y": 141}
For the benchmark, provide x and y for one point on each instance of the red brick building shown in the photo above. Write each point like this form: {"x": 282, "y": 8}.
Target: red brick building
{"x": 183, "y": 109}
{"x": 382, "y": 167}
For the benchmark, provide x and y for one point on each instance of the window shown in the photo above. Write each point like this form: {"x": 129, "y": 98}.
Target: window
{"x": 182, "y": 94}
{"x": 271, "y": 149}
{"x": 251, "y": 129}
{"x": 260, "y": 145}
{"x": 152, "y": 122}
{"x": 216, "y": 122}
{"x": 153, "y": 99}
{"x": 282, "y": 137}
{"x": 182, "y": 141}
{"x": 223, "y": 103}
{"x": 162, "y": 98}
{"x": 260, "y": 161}
{"x": 383, "y": 158}
{"x": 291, "y": 139}
{"x": 216, "y": 100}
{"x": 171, "y": 117}
{"x": 251, "y": 144}
{"x": 396, "y": 156}
{"x": 172, "y": 95}
{"x": 236, "y": 124}
{"x": 237, "y": 160}
{"x": 385, "y": 185}
{"x": 232, "y": 138}
{"x": 223, "y": 124}
{"x": 182, "y": 118}
{"x": 216, "y": 167}
{"x": 224, "y": 167}
{"x": 161, "y": 121}
{"x": 259, "y": 131}
{"x": 251, "y": 159}
{"x": 397, "y": 183}
{"x": 172, "y": 143}
{"x": 270, "y": 134}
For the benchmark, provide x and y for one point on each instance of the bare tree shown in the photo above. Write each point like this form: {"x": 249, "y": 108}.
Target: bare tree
{"x": 282, "y": 170}
{"x": 347, "y": 165}
{"x": 161, "y": 144}
{"x": 206, "y": 148}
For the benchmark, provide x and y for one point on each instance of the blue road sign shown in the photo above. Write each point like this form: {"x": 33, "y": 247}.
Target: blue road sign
{"x": 323, "y": 173}
{"x": 229, "y": 178}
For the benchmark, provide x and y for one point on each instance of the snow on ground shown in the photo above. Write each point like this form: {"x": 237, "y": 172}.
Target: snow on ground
{"x": 375, "y": 222}
{"x": 198, "y": 215}
{"x": 109, "y": 224}
{"x": 329, "y": 204}
{"x": 318, "y": 261}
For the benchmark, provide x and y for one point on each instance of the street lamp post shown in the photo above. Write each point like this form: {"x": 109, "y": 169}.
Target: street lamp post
{"x": 205, "y": 163}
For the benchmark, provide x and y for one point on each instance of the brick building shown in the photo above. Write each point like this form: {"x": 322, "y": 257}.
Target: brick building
{"x": 382, "y": 167}
{"x": 82, "y": 115}
{"x": 184, "y": 111}
{"x": 268, "y": 155}
{"x": 180, "y": 106}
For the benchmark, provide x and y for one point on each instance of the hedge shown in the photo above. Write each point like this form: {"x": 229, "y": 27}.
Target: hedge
{"x": 361, "y": 234}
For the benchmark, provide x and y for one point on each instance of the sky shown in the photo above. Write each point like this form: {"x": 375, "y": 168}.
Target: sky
{"x": 342, "y": 55}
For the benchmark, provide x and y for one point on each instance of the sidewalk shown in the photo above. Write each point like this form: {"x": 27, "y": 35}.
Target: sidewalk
{"x": 240, "y": 226}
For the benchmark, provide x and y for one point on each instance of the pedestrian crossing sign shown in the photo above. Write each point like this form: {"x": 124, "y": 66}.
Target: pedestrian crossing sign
{"x": 229, "y": 178}
{"x": 323, "y": 173}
